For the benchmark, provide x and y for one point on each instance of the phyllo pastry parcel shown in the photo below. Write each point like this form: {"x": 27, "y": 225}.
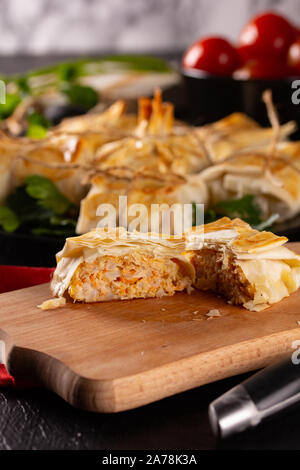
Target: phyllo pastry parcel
{"x": 61, "y": 157}
{"x": 157, "y": 193}
{"x": 108, "y": 264}
{"x": 245, "y": 266}
{"x": 113, "y": 119}
{"x": 238, "y": 132}
{"x": 158, "y": 143}
{"x": 274, "y": 181}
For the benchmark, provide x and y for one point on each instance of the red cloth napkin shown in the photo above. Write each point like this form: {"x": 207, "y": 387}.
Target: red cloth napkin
{"x": 18, "y": 277}
{"x": 5, "y": 378}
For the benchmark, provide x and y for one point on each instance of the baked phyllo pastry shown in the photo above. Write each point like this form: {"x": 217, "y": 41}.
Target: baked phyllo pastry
{"x": 110, "y": 264}
{"x": 157, "y": 193}
{"x": 289, "y": 151}
{"x": 55, "y": 158}
{"x": 157, "y": 143}
{"x": 238, "y": 132}
{"x": 113, "y": 119}
{"x": 64, "y": 158}
{"x": 9, "y": 148}
{"x": 275, "y": 182}
{"x": 245, "y": 266}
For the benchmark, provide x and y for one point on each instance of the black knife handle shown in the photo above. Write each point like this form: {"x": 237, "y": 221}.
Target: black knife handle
{"x": 276, "y": 387}
{"x": 266, "y": 393}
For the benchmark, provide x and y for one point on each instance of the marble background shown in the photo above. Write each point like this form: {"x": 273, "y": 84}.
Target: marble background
{"x": 97, "y": 26}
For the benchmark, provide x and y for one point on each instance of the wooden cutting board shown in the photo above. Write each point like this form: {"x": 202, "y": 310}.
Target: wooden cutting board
{"x": 115, "y": 356}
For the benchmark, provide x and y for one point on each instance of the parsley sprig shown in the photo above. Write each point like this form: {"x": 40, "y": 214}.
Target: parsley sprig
{"x": 38, "y": 207}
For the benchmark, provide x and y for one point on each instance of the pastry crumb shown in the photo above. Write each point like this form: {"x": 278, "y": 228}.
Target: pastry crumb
{"x": 195, "y": 312}
{"x": 298, "y": 322}
{"x": 163, "y": 309}
{"x": 51, "y": 304}
{"x": 189, "y": 289}
{"x": 213, "y": 313}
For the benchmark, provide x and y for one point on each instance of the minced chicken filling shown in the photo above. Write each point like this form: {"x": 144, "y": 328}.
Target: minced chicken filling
{"x": 125, "y": 277}
{"x": 218, "y": 272}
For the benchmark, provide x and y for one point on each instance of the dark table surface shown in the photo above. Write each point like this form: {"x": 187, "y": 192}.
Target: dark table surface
{"x": 38, "y": 419}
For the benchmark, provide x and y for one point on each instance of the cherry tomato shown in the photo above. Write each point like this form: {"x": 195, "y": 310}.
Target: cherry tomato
{"x": 213, "y": 55}
{"x": 263, "y": 69}
{"x": 296, "y": 32}
{"x": 267, "y": 35}
{"x": 294, "y": 57}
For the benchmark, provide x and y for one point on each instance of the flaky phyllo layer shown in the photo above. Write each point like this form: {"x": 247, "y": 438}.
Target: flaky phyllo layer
{"x": 246, "y": 267}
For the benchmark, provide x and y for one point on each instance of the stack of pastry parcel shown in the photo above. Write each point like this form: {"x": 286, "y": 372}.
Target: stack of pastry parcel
{"x": 153, "y": 159}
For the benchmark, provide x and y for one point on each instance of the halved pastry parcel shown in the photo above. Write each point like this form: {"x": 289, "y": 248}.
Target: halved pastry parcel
{"x": 108, "y": 264}
{"x": 148, "y": 195}
{"x": 238, "y": 132}
{"x": 245, "y": 266}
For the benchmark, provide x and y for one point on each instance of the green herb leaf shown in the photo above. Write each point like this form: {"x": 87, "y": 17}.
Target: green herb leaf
{"x": 38, "y": 125}
{"x": 26, "y": 207}
{"x": 8, "y": 219}
{"x": 7, "y": 108}
{"x": 23, "y": 85}
{"x": 47, "y": 194}
{"x": 136, "y": 62}
{"x": 69, "y": 71}
{"x": 35, "y": 131}
{"x": 41, "y": 209}
{"x": 82, "y": 96}
{"x": 246, "y": 208}
{"x": 210, "y": 216}
{"x": 38, "y": 119}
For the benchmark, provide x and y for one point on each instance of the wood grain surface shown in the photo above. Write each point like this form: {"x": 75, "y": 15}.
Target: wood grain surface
{"x": 114, "y": 356}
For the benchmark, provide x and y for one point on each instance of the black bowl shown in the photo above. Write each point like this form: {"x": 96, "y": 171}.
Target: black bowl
{"x": 211, "y": 98}
{"x": 29, "y": 250}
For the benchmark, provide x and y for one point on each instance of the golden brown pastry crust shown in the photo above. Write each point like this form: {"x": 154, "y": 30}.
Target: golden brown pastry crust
{"x": 157, "y": 143}
{"x": 275, "y": 181}
{"x": 113, "y": 119}
{"x": 236, "y": 133}
{"x": 142, "y": 187}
